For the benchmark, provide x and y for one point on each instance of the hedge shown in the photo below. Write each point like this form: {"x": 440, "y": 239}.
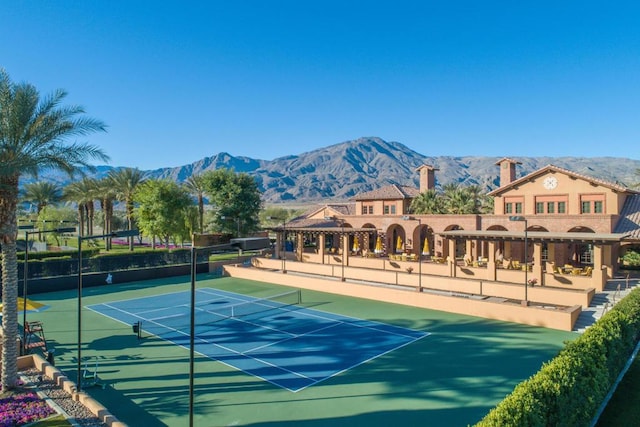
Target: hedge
{"x": 66, "y": 263}
{"x": 569, "y": 389}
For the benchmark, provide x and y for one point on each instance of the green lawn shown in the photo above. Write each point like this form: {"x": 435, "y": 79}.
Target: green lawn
{"x": 623, "y": 409}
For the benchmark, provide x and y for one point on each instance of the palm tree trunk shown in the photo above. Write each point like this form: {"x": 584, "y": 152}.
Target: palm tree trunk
{"x": 9, "y": 315}
{"x": 8, "y": 235}
{"x": 130, "y": 222}
{"x": 200, "y": 213}
{"x": 80, "y": 220}
{"x": 90, "y": 217}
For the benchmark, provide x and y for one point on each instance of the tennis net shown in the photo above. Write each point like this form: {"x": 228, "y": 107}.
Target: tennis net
{"x": 209, "y": 313}
{"x": 259, "y": 305}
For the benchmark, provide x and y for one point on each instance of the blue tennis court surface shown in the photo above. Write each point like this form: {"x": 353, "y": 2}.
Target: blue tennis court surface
{"x": 288, "y": 345}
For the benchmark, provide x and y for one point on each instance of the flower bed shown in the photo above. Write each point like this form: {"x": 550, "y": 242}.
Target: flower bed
{"x": 23, "y": 407}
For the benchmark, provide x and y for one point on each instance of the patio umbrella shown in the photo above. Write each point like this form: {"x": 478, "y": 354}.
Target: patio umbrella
{"x": 356, "y": 244}
{"x": 399, "y": 244}
{"x": 378, "y": 248}
{"x": 425, "y": 247}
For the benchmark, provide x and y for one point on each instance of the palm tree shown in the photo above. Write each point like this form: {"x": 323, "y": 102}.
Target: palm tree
{"x": 33, "y": 132}
{"x": 428, "y": 202}
{"x": 125, "y": 181}
{"x": 458, "y": 200}
{"x": 195, "y": 186}
{"x": 83, "y": 193}
{"x": 41, "y": 193}
{"x": 107, "y": 196}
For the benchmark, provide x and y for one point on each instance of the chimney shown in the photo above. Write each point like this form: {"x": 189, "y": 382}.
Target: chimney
{"x": 507, "y": 171}
{"x": 427, "y": 177}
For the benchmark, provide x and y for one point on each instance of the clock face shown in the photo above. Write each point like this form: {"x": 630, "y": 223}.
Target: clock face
{"x": 550, "y": 182}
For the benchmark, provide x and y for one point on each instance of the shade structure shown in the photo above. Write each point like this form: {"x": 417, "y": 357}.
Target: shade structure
{"x": 356, "y": 244}
{"x": 31, "y": 305}
{"x": 378, "y": 248}
{"x": 425, "y": 247}
{"x": 399, "y": 244}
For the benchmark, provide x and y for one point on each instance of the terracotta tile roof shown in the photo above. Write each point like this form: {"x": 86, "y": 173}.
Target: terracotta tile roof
{"x": 343, "y": 208}
{"x": 629, "y": 222}
{"x": 553, "y": 168}
{"x": 390, "y": 192}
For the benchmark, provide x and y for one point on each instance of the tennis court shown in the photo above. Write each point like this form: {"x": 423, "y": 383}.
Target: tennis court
{"x": 272, "y": 338}
{"x": 452, "y": 376}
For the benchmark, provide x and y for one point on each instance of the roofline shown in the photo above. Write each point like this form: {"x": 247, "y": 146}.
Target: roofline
{"x": 553, "y": 168}
{"x": 535, "y": 236}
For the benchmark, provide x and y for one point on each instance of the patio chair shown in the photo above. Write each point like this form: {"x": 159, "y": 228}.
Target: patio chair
{"x": 587, "y": 271}
{"x": 90, "y": 376}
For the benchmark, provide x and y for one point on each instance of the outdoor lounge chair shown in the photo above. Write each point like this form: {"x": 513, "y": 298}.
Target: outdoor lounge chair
{"x": 90, "y": 376}
{"x": 587, "y": 271}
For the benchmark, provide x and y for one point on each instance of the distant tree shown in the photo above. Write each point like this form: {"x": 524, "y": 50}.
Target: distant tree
{"x": 274, "y": 216}
{"x": 458, "y": 200}
{"x": 83, "y": 193}
{"x": 52, "y": 217}
{"x": 125, "y": 181}
{"x": 427, "y": 202}
{"x": 33, "y": 132}
{"x": 195, "y": 185}
{"x": 162, "y": 209}
{"x": 107, "y": 195}
{"x": 41, "y": 193}
{"x": 237, "y": 200}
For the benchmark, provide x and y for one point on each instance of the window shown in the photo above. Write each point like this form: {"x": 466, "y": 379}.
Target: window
{"x": 592, "y": 203}
{"x": 370, "y": 210}
{"x": 598, "y": 207}
{"x": 551, "y": 207}
{"x": 519, "y": 207}
{"x": 539, "y": 207}
{"x": 364, "y": 210}
{"x": 386, "y": 210}
{"x": 562, "y": 207}
{"x": 393, "y": 209}
{"x": 508, "y": 208}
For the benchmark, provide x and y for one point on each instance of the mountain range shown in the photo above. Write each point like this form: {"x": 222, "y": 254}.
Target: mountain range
{"x": 340, "y": 171}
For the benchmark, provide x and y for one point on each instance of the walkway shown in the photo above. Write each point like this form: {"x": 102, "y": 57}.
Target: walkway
{"x": 614, "y": 291}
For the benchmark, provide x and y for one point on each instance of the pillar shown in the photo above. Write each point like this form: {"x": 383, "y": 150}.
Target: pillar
{"x": 491, "y": 261}
{"x": 537, "y": 262}
{"x": 322, "y": 247}
{"x": 452, "y": 258}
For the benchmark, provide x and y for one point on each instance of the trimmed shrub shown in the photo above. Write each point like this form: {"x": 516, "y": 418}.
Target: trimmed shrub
{"x": 569, "y": 389}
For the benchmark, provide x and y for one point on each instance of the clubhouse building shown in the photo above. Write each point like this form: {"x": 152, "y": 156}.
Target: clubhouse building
{"x": 552, "y": 230}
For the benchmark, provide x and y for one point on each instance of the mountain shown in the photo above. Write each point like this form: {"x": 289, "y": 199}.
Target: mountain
{"x": 340, "y": 171}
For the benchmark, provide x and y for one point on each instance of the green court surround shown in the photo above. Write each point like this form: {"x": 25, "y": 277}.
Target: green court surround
{"x": 451, "y": 378}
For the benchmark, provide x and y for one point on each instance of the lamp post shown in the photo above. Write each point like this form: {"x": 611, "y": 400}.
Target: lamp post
{"x": 526, "y": 266}
{"x": 284, "y": 241}
{"x": 124, "y": 233}
{"x": 408, "y": 218}
{"x": 26, "y": 273}
{"x": 344, "y": 248}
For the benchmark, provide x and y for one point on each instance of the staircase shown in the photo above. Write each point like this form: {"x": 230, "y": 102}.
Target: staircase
{"x": 614, "y": 291}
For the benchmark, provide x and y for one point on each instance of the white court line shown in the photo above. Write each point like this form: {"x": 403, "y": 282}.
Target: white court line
{"x": 335, "y": 320}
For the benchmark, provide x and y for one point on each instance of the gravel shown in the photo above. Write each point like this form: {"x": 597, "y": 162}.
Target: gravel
{"x": 76, "y": 412}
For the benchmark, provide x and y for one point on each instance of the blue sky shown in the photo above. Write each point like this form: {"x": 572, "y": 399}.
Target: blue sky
{"x": 178, "y": 81}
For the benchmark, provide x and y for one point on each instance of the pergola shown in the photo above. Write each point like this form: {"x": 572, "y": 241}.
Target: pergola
{"x": 602, "y": 244}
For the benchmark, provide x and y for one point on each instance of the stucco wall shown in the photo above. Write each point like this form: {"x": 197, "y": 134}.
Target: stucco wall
{"x": 486, "y": 308}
